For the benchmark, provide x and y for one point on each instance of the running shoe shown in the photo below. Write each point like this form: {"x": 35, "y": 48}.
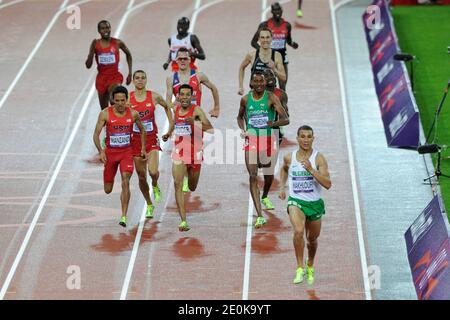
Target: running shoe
{"x": 266, "y": 202}
{"x": 309, "y": 274}
{"x": 260, "y": 221}
{"x": 123, "y": 221}
{"x": 185, "y": 184}
{"x": 183, "y": 226}
{"x": 157, "y": 194}
{"x": 299, "y": 275}
{"x": 150, "y": 208}
{"x": 299, "y": 13}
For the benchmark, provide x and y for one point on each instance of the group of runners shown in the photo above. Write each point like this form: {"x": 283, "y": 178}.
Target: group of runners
{"x": 131, "y": 139}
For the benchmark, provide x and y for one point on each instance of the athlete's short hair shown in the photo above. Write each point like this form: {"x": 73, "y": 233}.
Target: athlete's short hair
{"x": 306, "y": 128}
{"x": 182, "y": 49}
{"x": 258, "y": 73}
{"x": 184, "y": 20}
{"x": 103, "y": 21}
{"x": 139, "y": 71}
{"x": 186, "y": 86}
{"x": 264, "y": 29}
{"x": 276, "y": 6}
{"x": 120, "y": 89}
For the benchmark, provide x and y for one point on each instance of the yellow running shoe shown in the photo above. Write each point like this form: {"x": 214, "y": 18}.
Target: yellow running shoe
{"x": 185, "y": 184}
{"x": 309, "y": 274}
{"x": 183, "y": 226}
{"x": 150, "y": 208}
{"x": 157, "y": 194}
{"x": 299, "y": 13}
{"x": 299, "y": 276}
{"x": 266, "y": 202}
{"x": 123, "y": 221}
{"x": 260, "y": 221}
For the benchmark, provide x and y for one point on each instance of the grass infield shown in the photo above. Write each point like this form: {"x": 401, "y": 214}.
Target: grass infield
{"x": 424, "y": 31}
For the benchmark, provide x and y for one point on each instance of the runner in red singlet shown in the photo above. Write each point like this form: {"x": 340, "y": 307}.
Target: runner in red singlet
{"x": 119, "y": 120}
{"x": 107, "y": 56}
{"x": 190, "y": 123}
{"x": 144, "y": 102}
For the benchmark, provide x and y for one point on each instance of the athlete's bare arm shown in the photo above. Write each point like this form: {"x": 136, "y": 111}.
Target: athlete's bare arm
{"x": 101, "y": 121}
{"x": 138, "y": 122}
{"x": 289, "y": 41}
{"x": 283, "y": 119}
{"x": 127, "y": 52}
{"x": 90, "y": 57}
{"x": 254, "y": 42}
{"x": 247, "y": 60}
{"x": 284, "y": 101}
{"x": 321, "y": 175}
{"x": 169, "y": 59}
{"x": 199, "y": 53}
{"x": 169, "y": 91}
{"x": 284, "y": 175}
{"x": 159, "y": 100}
{"x": 206, "y": 124}
{"x": 215, "y": 93}
{"x": 241, "y": 116}
{"x": 278, "y": 68}
{"x": 201, "y": 121}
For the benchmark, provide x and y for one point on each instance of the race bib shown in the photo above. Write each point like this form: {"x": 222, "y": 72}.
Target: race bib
{"x": 106, "y": 58}
{"x": 148, "y": 126}
{"x": 259, "y": 121}
{"x": 183, "y": 129}
{"x": 120, "y": 140}
{"x": 278, "y": 44}
{"x": 303, "y": 184}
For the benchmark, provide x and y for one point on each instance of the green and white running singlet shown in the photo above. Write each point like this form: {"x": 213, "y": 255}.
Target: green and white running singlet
{"x": 304, "y": 190}
{"x": 258, "y": 113}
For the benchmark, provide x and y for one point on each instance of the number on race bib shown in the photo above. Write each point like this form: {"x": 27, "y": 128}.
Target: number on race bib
{"x": 119, "y": 140}
{"x": 278, "y": 44}
{"x": 183, "y": 129}
{"x": 106, "y": 58}
{"x": 259, "y": 121}
{"x": 303, "y": 185}
{"x": 148, "y": 126}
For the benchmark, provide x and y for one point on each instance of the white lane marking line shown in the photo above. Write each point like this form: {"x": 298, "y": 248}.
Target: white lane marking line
{"x": 35, "y": 49}
{"x": 10, "y": 4}
{"x": 362, "y": 248}
{"x": 137, "y": 240}
{"x": 49, "y": 187}
{"x": 200, "y": 9}
{"x": 248, "y": 249}
{"x": 135, "y": 250}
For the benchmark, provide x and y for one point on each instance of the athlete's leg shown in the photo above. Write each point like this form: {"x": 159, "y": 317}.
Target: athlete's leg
{"x": 125, "y": 194}
{"x": 110, "y": 90}
{"x": 141, "y": 169}
{"x": 283, "y": 83}
{"x": 251, "y": 162}
{"x": 178, "y": 172}
{"x": 193, "y": 177}
{"x": 312, "y": 234}
{"x": 108, "y": 187}
{"x": 297, "y": 218}
{"x": 103, "y": 100}
{"x": 153, "y": 165}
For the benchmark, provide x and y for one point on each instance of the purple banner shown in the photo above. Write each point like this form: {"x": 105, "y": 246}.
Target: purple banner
{"x": 397, "y": 104}
{"x": 428, "y": 247}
